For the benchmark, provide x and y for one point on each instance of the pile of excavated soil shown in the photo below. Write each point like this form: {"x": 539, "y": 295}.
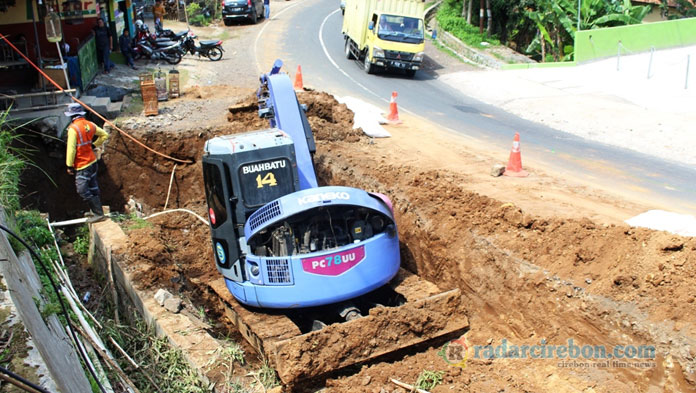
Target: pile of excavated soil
{"x": 523, "y": 278}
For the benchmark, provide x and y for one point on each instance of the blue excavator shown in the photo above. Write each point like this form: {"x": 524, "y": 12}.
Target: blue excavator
{"x": 280, "y": 240}
{"x": 311, "y": 270}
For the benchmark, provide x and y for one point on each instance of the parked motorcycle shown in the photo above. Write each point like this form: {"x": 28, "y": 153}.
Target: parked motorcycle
{"x": 157, "y": 40}
{"x": 211, "y": 49}
{"x": 170, "y": 53}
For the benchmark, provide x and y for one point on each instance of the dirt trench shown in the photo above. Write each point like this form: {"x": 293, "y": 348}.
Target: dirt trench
{"x": 523, "y": 278}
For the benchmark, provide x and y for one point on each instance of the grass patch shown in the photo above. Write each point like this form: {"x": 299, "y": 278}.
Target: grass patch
{"x": 12, "y": 162}
{"x": 33, "y": 229}
{"x": 224, "y": 36}
{"x": 81, "y": 243}
{"x": 449, "y": 19}
{"x": 130, "y": 222}
{"x": 226, "y": 357}
{"x": 427, "y": 380}
{"x": 134, "y": 108}
{"x": 446, "y": 50}
{"x": 163, "y": 368}
{"x": 267, "y": 376}
{"x": 138, "y": 223}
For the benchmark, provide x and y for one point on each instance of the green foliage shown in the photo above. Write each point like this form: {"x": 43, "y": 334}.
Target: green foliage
{"x": 14, "y": 157}
{"x": 158, "y": 360}
{"x": 449, "y": 18}
{"x": 138, "y": 223}
{"x": 47, "y": 309}
{"x": 682, "y": 9}
{"x": 12, "y": 162}
{"x": 544, "y": 29}
{"x": 199, "y": 20}
{"x": 81, "y": 243}
{"x": 427, "y": 380}
{"x": 130, "y": 222}
{"x": 32, "y": 228}
{"x": 267, "y": 376}
{"x": 201, "y": 16}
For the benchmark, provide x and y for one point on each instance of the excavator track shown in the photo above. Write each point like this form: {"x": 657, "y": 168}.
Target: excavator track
{"x": 426, "y": 314}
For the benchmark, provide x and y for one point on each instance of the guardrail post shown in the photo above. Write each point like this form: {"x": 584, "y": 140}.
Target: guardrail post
{"x": 618, "y": 57}
{"x": 686, "y": 80}
{"x": 652, "y": 51}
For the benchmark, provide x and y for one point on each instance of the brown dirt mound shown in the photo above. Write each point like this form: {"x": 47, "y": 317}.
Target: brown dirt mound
{"x": 523, "y": 278}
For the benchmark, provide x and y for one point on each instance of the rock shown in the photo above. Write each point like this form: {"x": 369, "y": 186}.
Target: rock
{"x": 162, "y": 296}
{"x": 173, "y": 305}
{"x": 366, "y": 381}
{"x": 497, "y": 170}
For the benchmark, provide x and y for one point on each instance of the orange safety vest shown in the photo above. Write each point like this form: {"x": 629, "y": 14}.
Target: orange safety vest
{"x": 83, "y": 151}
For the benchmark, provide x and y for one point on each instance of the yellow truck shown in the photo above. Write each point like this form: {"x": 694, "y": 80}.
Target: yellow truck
{"x": 387, "y": 34}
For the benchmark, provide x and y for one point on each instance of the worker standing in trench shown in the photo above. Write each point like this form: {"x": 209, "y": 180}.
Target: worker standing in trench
{"x": 81, "y": 159}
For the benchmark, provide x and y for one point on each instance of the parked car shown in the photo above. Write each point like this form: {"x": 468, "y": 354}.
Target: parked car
{"x": 241, "y": 9}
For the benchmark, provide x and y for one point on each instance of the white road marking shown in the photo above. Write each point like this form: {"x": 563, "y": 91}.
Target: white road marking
{"x": 265, "y": 24}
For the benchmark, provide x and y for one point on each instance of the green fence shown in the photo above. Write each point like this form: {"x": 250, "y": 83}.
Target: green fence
{"x": 87, "y": 57}
{"x": 600, "y": 43}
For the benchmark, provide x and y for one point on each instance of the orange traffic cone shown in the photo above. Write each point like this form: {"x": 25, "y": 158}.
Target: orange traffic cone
{"x": 514, "y": 166}
{"x": 393, "y": 116}
{"x": 298, "y": 79}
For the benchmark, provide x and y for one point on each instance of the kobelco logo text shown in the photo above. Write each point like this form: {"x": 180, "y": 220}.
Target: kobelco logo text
{"x": 326, "y": 196}
{"x": 264, "y": 166}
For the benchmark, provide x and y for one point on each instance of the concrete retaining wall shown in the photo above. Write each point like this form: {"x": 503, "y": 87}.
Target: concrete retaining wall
{"x": 466, "y": 51}
{"x": 48, "y": 334}
{"x": 108, "y": 245}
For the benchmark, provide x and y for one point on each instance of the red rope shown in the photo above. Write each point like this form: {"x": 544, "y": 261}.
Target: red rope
{"x": 92, "y": 110}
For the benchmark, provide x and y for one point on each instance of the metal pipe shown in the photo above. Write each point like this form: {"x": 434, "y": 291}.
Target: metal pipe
{"x": 579, "y": 4}
{"x": 652, "y": 51}
{"x": 53, "y": 92}
{"x": 65, "y": 68}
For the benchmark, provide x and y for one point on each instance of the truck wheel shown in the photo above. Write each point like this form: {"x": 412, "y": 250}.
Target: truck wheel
{"x": 349, "y": 55}
{"x": 410, "y": 73}
{"x": 367, "y": 66}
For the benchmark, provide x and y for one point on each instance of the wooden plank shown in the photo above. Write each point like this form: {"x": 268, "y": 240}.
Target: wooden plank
{"x": 385, "y": 330}
{"x": 428, "y": 314}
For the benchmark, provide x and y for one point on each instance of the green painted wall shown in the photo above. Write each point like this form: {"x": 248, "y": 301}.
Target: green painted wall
{"x": 599, "y": 43}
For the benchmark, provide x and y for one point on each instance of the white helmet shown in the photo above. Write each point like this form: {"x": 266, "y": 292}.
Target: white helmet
{"x": 138, "y": 23}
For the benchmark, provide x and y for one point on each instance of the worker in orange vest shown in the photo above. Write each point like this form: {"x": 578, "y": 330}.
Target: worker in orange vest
{"x": 81, "y": 159}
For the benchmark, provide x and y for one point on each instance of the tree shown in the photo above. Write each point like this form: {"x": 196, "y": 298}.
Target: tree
{"x": 489, "y": 15}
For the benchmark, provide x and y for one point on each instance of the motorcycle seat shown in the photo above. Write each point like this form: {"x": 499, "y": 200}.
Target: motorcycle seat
{"x": 209, "y": 43}
{"x": 180, "y": 34}
{"x": 164, "y": 44}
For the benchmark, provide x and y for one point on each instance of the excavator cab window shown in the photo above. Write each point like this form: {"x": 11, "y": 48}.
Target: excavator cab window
{"x": 215, "y": 194}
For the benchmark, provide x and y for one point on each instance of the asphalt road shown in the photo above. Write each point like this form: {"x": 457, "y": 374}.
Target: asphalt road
{"x": 313, "y": 39}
